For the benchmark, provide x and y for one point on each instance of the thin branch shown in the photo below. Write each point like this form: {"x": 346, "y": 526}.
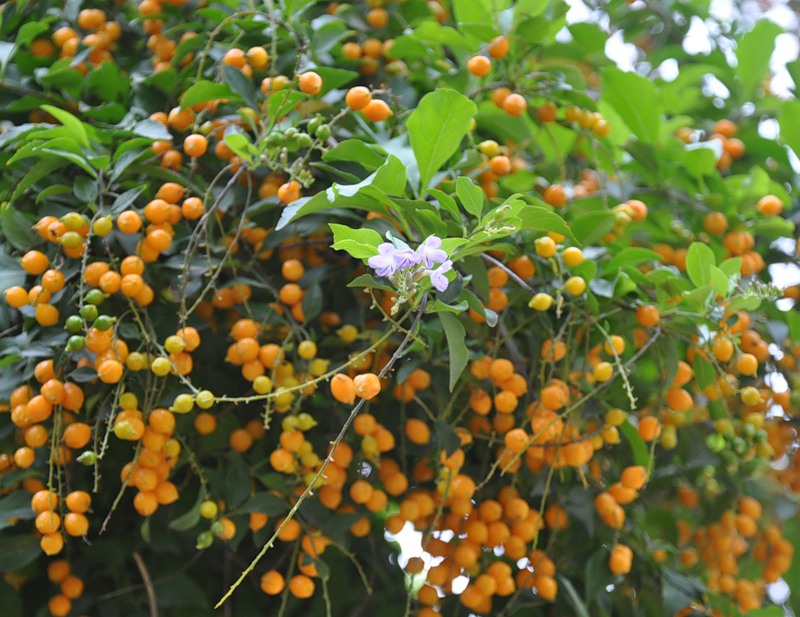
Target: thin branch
{"x": 148, "y": 584}
{"x": 395, "y": 356}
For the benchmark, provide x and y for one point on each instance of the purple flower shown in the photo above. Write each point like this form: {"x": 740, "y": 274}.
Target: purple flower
{"x": 385, "y": 262}
{"x": 438, "y": 278}
{"x": 430, "y": 251}
{"x": 391, "y": 259}
{"x": 405, "y": 258}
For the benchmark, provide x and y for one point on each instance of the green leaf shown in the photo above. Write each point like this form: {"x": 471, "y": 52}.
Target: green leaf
{"x": 641, "y": 455}
{"x": 573, "y": 598}
{"x": 266, "y": 503}
{"x": 126, "y": 199}
{"x": 359, "y": 243}
{"x": 17, "y": 552}
{"x": 475, "y": 18}
{"x": 313, "y": 301}
{"x": 445, "y": 437}
{"x": 446, "y": 202}
{"x": 436, "y": 128}
{"x": 704, "y": 372}
{"x": 238, "y": 141}
{"x": 731, "y": 266}
{"x": 597, "y": 575}
{"x": 10, "y": 600}
{"x": 369, "y": 194}
{"x": 355, "y": 151}
{"x": 458, "y": 354}
{"x": 437, "y": 306}
{"x": 791, "y": 532}
{"x": 204, "y": 91}
{"x": 790, "y": 124}
{"x": 719, "y": 280}
{"x": 636, "y": 100}
{"x": 368, "y": 281}
{"x": 42, "y": 168}
{"x": 753, "y": 54}
{"x": 16, "y": 227}
{"x": 631, "y": 256}
{"x": 470, "y": 195}
{"x": 333, "y": 78}
{"x": 591, "y": 226}
{"x": 699, "y": 260}
{"x": 15, "y": 506}
{"x": 188, "y": 519}
{"x": 75, "y": 127}
{"x": 30, "y": 31}
{"x": 529, "y": 8}
{"x": 240, "y": 84}
{"x": 85, "y": 190}
{"x": 536, "y": 218}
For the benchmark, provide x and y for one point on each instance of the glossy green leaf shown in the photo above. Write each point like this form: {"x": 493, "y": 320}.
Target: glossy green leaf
{"x": 16, "y": 227}
{"x": 458, "y": 354}
{"x": 240, "y": 84}
{"x": 641, "y": 454}
{"x": 436, "y": 128}
{"x": 470, "y": 195}
{"x": 636, "y": 100}
{"x": 631, "y": 256}
{"x": 71, "y": 123}
{"x": 204, "y": 91}
{"x": 359, "y": 243}
{"x": 753, "y": 53}
{"x": 699, "y": 260}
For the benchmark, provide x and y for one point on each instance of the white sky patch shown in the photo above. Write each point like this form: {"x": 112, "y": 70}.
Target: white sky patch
{"x": 669, "y": 69}
{"x": 624, "y": 54}
{"x": 578, "y": 11}
{"x": 697, "y": 39}
{"x": 784, "y": 274}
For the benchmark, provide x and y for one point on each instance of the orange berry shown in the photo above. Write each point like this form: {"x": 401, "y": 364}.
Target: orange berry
{"x": 634, "y": 477}
{"x": 648, "y": 316}
{"x": 78, "y": 501}
{"x": 770, "y": 205}
{"x": 47, "y": 521}
{"x": 358, "y": 98}
{"x": 620, "y": 560}
{"x": 310, "y": 83}
{"x": 480, "y": 66}
{"x": 289, "y": 192}
{"x": 301, "y": 586}
{"x": 516, "y": 440}
{"x": 34, "y": 262}
{"x": 44, "y": 501}
{"x": 192, "y": 208}
{"x": 498, "y": 47}
{"x": 417, "y": 431}
{"x": 129, "y": 222}
{"x": 367, "y": 385}
{"x": 16, "y": 297}
{"x": 377, "y": 111}
{"x": 272, "y": 583}
{"x": 515, "y": 105}
{"x": 195, "y": 145}
{"x": 649, "y": 428}
{"x": 76, "y": 524}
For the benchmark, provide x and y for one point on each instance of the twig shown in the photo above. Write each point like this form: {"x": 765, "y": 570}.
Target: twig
{"x": 148, "y": 583}
{"x": 395, "y": 356}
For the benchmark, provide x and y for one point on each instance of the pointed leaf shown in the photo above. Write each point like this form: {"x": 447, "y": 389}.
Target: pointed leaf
{"x": 436, "y": 128}
{"x": 457, "y": 349}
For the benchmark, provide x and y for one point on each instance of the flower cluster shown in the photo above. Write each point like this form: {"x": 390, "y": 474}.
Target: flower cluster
{"x": 405, "y": 267}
